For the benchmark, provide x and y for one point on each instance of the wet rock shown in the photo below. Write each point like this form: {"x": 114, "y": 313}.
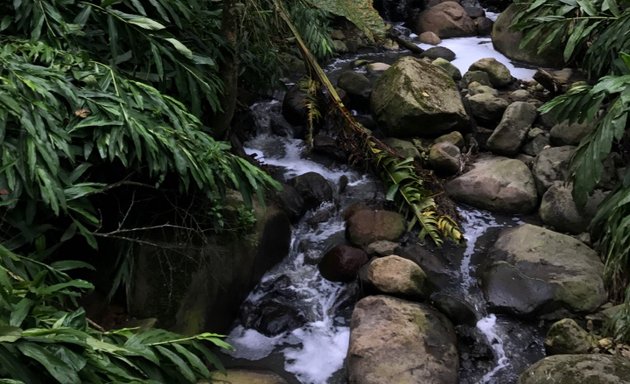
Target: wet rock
{"x": 272, "y": 317}
{"x": 291, "y": 202}
{"x": 447, "y": 19}
{"x": 569, "y": 134}
{"x": 439, "y": 53}
{"x": 402, "y": 147}
{"x": 573, "y": 369}
{"x": 328, "y": 146}
{"x": 496, "y": 184}
{"x": 537, "y": 141}
{"x": 498, "y": 73}
{"x": 456, "y": 309}
{"x": 377, "y": 68}
{"x": 429, "y": 38}
{"x": 446, "y": 65}
{"x": 485, "y": 107}
{"x": 506, "y": 41}
{"x": 342, "y": 263}
{"x": 294, "y": 106}
{"x": 246, "y": 376}
{"x": 367, "y": 226}
{"x": 510, "y": 134}
{"x": 484, "y": 26}
{"x": 558, "y": 209}
{"x": 340, "y": 46}
{"x": 357, "y": 86}
{"x": 455, "y": 138}
{"x": 313, "y": 188}
{"x": 552, "y": 164}
{"x": 397, "y": 341}
{"x": 476, "y": 76}
{"x": 396, "y": 276}
{"x": 445, "y": 158}
{"x": 473, "y": 11}
{"x": 567, "y": 337}
{"x": 537, "y": 271}
{"x": 415, "y": 98}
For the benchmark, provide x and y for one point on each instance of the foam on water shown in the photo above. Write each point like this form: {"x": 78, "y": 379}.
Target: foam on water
{"x": 250, "y": 344}
{"x": 488, "y": 327}
{"x": 470, "y": 49}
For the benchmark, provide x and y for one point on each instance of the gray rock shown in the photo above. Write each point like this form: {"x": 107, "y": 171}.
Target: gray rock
{"x": 381, "y": 248}
{"x": 537, "y": 141}
{"x": 475, "y": 88}
{"x": 506, "y": 41}
{"x": 485, "y": 107}
{"x": 446, "y": 65}
{"x": 402, "y": 147}
{"x": 458, "y": 310}
{"x": 397, "y": 341}
{"x": 313, "y": 188}
{"x": 445, "y": 158}
{"x": 454, "y": 138}
{"x": 397, "y": 276}
{"x": 415, "y": 98}
{"x": 552, "y": 164}
{"x": 520, "y": 95}
{"x": 439, "y": 53}
{"x": 447, "y": 19}
{"x": 509, "y": 135}
{"x": 366, "y": 226}
{"x": 558, "y": 209}
{"x": 340, "y": 46}
{"x": 496, "y": 184}
{"x": 567, "y": 337}
{"x": 498, "y": 73}
{"x": 569, "y": 134}
{"x": 574, "y": 369}
{"x": 484, "y": 26}
{"x": 537, "y": 271}
{"x": 356, "y": 85}
{"x": 377, "y": 68}
{"x": 480, "y": 77}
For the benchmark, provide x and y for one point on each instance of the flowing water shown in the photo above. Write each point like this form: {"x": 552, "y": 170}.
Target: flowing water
{"x": 312, "y": 349}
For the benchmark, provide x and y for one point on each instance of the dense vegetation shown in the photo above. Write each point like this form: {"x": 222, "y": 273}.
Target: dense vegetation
{"x": 594, "y": 36}
{"x": 100, "y": 100}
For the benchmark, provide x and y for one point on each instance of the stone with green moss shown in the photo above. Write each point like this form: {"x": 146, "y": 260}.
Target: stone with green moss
{"x": 578, "y": 369}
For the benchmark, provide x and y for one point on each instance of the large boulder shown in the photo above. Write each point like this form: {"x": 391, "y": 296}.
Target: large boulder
{"x": 366, "y": 226}
{"x": 511, "y": 132}
{"x": 485, "y": 107}
{"x": 416, "y": 98}
{"x": 496, "y": 184}
{"x": 190, "y": 287}
{"x": 447, "y": 19}
{"x": 506, "y": 41}
{"x": 397, "y": 341}
{"x": 342, "y": 263}
{"x": 552, "y": 164}
{"x": 396, "y": 276}
{"x": 533, "y": 270}
{"x": 498, "y": 73}
{"x": 574, "y": 369}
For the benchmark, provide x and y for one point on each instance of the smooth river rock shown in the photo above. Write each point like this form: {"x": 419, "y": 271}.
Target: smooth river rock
{"x": 567, "y": 337}
{"x": 342, "y": 263}
{"x": 398, "y": 341}
{"x": 578, "y": 369}
{"x": 551, "y": 165}
{"x": 534, "y": 271}
{"x": 416, "y": 98}
{"x": 447, "y": 19}
{"x": 496, "y": 184}
{"x": 511, "y": 132}
{"x": 366, "y": 226}
{"x": 397, "y": 276}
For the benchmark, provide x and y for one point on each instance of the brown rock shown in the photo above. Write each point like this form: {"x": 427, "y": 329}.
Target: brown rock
{"x": 367, "y": 226}
{"x": 342, "y": 263}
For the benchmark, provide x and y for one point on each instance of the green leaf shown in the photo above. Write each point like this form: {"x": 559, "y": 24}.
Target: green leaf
{"x": 69, "y": 265}
{"x": 20, "y": 311}
{"x": 180, "y": 364}
{"x": 61, "y": 371}
{"x": 180, "y": 47}
{"x": 9, "y": 334}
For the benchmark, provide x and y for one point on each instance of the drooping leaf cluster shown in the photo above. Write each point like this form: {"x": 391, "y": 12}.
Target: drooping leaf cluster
{"x": 46, "y": 338}
{"x": 592, "y": 32}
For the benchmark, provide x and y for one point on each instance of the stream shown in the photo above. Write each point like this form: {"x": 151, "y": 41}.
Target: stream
{"x": 308, "y": 336}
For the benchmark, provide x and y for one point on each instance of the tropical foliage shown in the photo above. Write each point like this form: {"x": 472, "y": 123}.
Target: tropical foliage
{"x": 45, "y": 337}
{"x": 594, "y": 34}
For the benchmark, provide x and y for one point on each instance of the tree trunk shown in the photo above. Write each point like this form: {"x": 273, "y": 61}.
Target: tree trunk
{"x": 229, "y": 69}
